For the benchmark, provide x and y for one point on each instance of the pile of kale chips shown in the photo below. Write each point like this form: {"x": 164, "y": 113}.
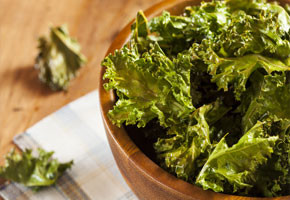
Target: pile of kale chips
{"x": 216, "y": 83}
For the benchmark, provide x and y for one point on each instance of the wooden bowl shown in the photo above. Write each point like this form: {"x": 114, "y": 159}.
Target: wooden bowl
{"x": 146, "y": 179}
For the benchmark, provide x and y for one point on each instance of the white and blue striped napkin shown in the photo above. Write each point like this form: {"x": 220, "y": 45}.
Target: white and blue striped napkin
{"x": 74, "y": 132}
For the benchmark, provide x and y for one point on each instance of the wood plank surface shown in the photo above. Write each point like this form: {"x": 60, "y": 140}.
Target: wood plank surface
{"x": 23, "y": 99}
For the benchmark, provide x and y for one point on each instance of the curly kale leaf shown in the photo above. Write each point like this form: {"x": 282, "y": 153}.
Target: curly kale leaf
{"x": 235, "y": 165}
{"x": 208, "y": 20}
{"x": 236, "y": 70}
{"x": 149, "y": 86}
{"x": 258, "y": 27}
{"x": 176, "y": 33}
{"x": 273, "y": 178}
{"x": 268, "y": 94}
{"x": 166, "y": 30}
{"x": 267, "y": 100}
{"x": 248, "y": 41}
{"x": 190, "y": 141}
{"x": 59, "y": 58}
{"x": 35, "y": 172}
{"x": 169, "y": 32}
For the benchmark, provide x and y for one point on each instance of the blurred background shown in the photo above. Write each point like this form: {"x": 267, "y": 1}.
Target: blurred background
{"x": 24, "y": 100}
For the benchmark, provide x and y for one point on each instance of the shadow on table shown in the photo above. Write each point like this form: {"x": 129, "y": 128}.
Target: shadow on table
{"x": 27, "y": 78}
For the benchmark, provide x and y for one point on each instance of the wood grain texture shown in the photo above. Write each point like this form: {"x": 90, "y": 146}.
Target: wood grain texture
{"x": 23, "y": 99}
{"x": 147, "y": 179}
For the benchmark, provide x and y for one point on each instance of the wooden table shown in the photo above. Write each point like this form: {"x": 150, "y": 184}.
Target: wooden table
{"x": 23, "y": 99}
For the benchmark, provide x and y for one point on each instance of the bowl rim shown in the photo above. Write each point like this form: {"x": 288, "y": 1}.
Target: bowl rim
{"x": 121, "y": 138}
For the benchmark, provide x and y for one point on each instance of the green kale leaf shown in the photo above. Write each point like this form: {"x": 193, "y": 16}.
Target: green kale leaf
{"x": 235, "y": 165}
{"x": 267, "y": 95}
{"x": 273, "y": 178}
{"x": 35, "y": 172}
{"x": 236, "y": 70}
{"x": 177, "y": 33}
{"x": 59, "y": 58}
{"x": 149, "y": 86}
{"x": 260, "y": 27}
{"x": 189, "y": 141}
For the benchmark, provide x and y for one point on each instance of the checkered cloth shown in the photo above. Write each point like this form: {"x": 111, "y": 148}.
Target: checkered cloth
{"x": 74, "y": 132}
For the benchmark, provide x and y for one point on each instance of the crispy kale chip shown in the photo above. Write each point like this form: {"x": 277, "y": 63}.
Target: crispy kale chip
{"x": 189, "y": 143}
{"x": 35, "y": 172}
{"x": 256, "y": 27}
{"x": 235, "y": 71}
{"x": 235, "y": 165}
{"x": 174, "y": 34}
{"x": 269, "y": 95}
{"x": 59, "y": 58}
{"x": 273, "y": 178}
{"x": 149, "y": 86}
